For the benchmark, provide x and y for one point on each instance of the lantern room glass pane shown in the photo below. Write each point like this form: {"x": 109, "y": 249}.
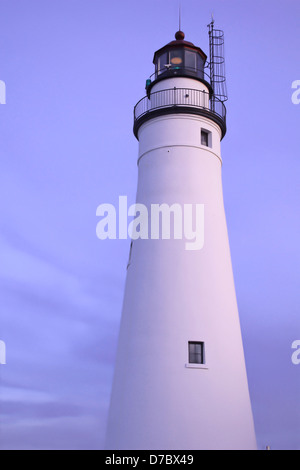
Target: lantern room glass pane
{"x": 200, "y": 66}
{"x": 176, "y": 58}
{"x": 190, "y": 61}
{"x": 162, "y": 62}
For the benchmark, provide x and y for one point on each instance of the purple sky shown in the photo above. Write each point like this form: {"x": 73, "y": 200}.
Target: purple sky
{"x": 74, "y": 69}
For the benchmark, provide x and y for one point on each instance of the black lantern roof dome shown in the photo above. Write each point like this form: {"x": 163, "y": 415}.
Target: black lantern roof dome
{"x": 179, "y": 41}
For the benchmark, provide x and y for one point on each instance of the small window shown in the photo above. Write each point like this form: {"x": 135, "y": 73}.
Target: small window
{"x": 196, "y": 352}
{"x": 204, "y": 138}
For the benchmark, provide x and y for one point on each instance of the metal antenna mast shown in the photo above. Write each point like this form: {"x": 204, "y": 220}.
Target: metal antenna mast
{"x": 179, "y": 17}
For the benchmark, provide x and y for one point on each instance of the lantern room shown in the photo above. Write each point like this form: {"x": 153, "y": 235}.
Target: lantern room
{"x": 179, "y": 58}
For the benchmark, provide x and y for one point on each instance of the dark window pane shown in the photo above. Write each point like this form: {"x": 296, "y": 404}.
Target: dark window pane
{"x": 196, "y": 352}
{"x": 204, "y": 138}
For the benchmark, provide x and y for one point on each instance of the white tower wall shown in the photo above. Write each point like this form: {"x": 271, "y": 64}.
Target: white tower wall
{"x": 174, "y": 296}
{"x": 179, "y": 82}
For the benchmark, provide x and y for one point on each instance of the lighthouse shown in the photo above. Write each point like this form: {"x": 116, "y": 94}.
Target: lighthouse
{"x": 180, "y": 379}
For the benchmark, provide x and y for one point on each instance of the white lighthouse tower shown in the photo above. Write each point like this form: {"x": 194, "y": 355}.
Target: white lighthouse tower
{"x": 180, "y": 379}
